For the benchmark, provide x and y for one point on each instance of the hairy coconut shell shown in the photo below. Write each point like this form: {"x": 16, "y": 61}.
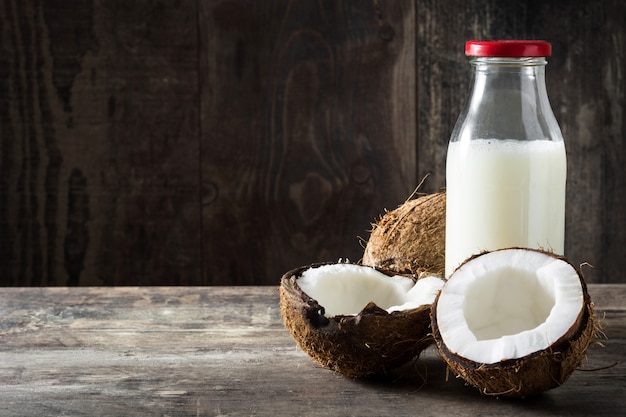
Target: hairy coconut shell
{"x": 372, "y": 342}
{"x": 411, "y": 238}
{"x": 531, "y": 374}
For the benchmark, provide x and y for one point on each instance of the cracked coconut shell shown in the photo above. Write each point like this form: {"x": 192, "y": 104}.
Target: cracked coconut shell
{"x": 373, "y": 341}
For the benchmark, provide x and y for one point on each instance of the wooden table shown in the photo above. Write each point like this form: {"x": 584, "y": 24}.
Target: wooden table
{"x": 223, "y": 351}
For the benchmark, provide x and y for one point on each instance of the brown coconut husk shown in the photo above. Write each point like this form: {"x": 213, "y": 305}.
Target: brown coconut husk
{"x": 411, "y": 238}
{"x": 371, "y": 343}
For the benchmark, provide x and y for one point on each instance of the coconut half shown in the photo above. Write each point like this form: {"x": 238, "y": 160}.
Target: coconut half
{"x": 411, "y": 238}
{"x": 514, "y": 322}
{"x": 355, "y": 319}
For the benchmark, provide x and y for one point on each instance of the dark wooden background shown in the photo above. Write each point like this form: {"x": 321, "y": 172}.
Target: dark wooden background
{"x": 201, "y": 142}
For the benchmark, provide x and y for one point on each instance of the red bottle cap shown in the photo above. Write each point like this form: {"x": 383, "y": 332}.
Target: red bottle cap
{"x": 508, "y": 48}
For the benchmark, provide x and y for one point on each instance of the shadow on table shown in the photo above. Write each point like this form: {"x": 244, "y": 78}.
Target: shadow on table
{"x": 429, "y": 377}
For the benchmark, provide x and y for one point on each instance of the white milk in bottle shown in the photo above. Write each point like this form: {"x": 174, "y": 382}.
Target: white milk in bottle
{"x": 506, "y": 164}
{"x": 504, "y": 193}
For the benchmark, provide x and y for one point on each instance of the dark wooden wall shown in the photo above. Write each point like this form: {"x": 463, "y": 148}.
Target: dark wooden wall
{"x": 202, "y": 142}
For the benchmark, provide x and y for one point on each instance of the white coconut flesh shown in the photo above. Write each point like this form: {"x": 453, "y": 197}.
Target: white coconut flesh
{"x": 345, "y": 289}
{"x": 508, "y": 304}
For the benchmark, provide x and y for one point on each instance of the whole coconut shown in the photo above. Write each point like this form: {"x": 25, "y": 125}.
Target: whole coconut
{"x": 411, "y": 238}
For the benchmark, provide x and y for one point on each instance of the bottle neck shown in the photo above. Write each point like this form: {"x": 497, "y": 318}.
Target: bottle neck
{"x": 508, "y": 100}
{"x": 526, "y": 75}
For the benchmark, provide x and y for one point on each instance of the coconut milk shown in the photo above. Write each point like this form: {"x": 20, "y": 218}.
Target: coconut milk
{"x": 504, "y": 193}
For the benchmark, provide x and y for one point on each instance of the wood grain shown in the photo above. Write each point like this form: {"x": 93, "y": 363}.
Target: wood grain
{"x": 212, "y": 142}
{"x": 99, "y": 143}
{"x": 183, "y": 351}
{"x": 307, "y": 110}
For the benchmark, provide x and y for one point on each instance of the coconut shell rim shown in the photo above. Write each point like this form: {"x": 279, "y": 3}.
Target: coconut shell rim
{"x": 370, "y": 308}
{"x": 337, "y": 342}
{"x": 561, "y": 345}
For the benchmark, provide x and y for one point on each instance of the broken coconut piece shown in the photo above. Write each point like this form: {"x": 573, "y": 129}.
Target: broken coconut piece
{"x": 355, "y": 319}
{"x": 514, "y": 322}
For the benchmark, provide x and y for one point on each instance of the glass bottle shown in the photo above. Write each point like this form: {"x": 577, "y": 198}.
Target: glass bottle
{"x": 506, "y": 164}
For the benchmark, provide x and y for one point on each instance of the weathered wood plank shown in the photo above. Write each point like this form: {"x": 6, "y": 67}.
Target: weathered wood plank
{"x": 223, "y": 351}
{"x": 227, "y": 141}
{"x": 99, "y": 161}
{"x": 151, "y": 74}
{"x": 308, "y": 130}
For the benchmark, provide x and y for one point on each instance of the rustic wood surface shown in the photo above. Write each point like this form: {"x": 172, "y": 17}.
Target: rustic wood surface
{"x": 305, "y": 107}
{"x": 223, "y": 351}
{"x": 199, "y": 142}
